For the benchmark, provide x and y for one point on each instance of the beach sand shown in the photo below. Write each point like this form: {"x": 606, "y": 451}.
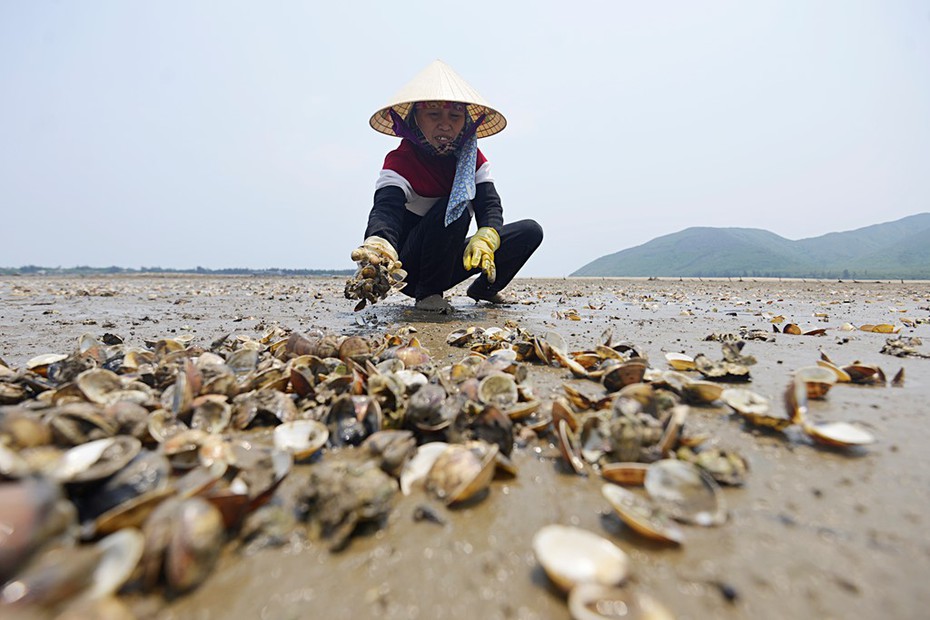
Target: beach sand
{"x": 815, "y": 532}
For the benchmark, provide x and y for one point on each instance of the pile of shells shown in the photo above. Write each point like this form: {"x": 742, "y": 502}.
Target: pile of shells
{"x": 182, "y": 446}
{"x": 378, "y": 275}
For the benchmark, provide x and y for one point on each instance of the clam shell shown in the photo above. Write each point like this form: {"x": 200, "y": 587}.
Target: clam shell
{"x": 98, "y": 385}
{"x": 624, "y": 374}
{"x": 121, "y": 552}
{"x": 590, "y": 601}
{"x": 641, "y": 515}
{"x": 96, "y": 460}
{"x": 672, "y": 430}
{"x": 498, "y": 389}
{"x": 840, "y": 434}
{"x": 625, "y": 474}
{"x": 194, "y": 545}
{"x": 301, "y": 438}
{"x": 746, "y": 401}
{"x": 818, "y": 380}
{"x": 643, "y": 393}
{"x": 702, "y": 392}
{"x": 462, "y": 471}
{"x": 685, "y": 492}
{"x": 680, "y": 361}
{"x": 40, "y": 363}
{"x": 864, "y": 373}
{"x": 572, "y": 556}
{"x": 570, "y": 448}
{"x": 522, "y": 410}
{"x": 417, "y": 468}
{"x": 841, "y": 375}
{"x": 131, "y": 513}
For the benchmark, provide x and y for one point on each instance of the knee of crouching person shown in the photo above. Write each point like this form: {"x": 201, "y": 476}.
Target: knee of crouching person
{"x": 533, "y": 232}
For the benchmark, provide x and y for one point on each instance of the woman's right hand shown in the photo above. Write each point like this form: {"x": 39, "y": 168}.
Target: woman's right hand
{"x": 374, "y": 250}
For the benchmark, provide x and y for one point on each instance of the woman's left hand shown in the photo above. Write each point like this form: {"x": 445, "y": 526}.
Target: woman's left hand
{"x": 480, "y": 252}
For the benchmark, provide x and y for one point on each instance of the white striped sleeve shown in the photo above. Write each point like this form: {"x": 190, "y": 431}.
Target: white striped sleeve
{"x": 483, "y": 174}
{"x": 389, "y": 178}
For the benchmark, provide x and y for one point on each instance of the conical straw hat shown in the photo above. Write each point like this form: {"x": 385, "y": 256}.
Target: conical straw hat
{"x": 438, "y": 82}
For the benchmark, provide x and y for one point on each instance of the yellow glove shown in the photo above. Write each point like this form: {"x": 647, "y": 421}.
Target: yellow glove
{"x": 480, "y": 252}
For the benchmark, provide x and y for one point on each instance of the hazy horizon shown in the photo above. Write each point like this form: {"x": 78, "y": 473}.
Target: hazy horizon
{"x": 229, "y": 134}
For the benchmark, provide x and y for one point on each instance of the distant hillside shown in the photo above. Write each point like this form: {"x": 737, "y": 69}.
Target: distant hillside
{"x": 899, "y": 249}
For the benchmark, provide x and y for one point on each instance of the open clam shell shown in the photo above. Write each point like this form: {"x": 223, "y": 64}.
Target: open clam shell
{"x": 96, "y": 460}
{"x": 301, "y": 438}
{"x": 841, "y": 375}
{"x": 570, "y": 448}
{"x": 641, "y": 515}
{"x": 572, "y": 556}
{"x": 590, "y": 601}
{"x": 756, "y": 409}
{"x": 839, "y": 434}
{"x": 498, "y": 389}
{"x": 418, "y": 467}
{"x": 680, "y": 361}
{"x": 817, "y": 379}
{"x": 685, "y": 492}
{"x": 623, "y": 374}
{"x": 462, "y": 471}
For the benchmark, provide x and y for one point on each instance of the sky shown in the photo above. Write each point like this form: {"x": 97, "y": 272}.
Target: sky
{"x": 224, "y": 133}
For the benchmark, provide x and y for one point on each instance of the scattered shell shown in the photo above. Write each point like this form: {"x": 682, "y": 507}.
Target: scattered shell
{"x": 462, "y": 471}
{"x": 642, "y": 515}
{"x": 572, "y": 556}
{"x": 840, "y": 434}
{"x": 680, "y": 361}
{"x": 591, "y": 601}
{"x": 417, "y": 468}
{"x": 702, "y": 392}
{"x": 755, "y": 409}
{"x": 625, "y": 474}
{"x": 685, "y": 492}
{"x": 818, "y": 380}
{"x": 570, "y": 448}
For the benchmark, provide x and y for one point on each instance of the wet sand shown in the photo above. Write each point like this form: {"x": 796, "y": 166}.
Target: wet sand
{"x": 815, "y": 532}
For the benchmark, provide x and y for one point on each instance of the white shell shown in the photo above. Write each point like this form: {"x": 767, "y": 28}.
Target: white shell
{"x": 680, "y": 361}
{"x": 589, "y": 601}
{"x": 571, "y": 556}
{"x": 46, "y": 359}
{"x": 746, "y": 401}
{"x": 122, "y": 551}
{"x": 417, "y": 468}
{"x": 300, "y": 438}
{"x": 80, "y": 458}
{"x": 839, "y": 434}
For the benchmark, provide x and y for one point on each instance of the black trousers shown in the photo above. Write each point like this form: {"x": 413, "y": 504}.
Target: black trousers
{"x": 432, "y": 253}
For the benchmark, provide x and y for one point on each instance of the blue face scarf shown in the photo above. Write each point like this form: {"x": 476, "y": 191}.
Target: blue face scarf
{"x": 464, "y": 148}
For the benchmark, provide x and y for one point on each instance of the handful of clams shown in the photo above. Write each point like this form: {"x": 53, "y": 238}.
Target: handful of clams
{"x": 378, "y": 275}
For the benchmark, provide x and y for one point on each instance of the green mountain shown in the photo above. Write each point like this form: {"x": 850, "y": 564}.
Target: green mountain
{"x": 899, "y": 249}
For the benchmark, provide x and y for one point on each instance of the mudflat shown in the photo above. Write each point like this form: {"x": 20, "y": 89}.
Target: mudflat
{"x": 814, "y": 532}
